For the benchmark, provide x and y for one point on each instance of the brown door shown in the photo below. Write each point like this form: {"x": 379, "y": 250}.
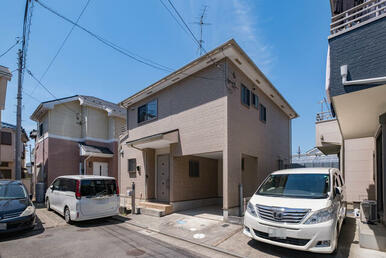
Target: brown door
{"x": 163, "y": 186}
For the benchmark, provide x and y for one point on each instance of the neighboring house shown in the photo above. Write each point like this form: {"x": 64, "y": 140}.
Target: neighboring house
{"x": 76, "y": 135}
{"x": 196, "y": 135}
{"x": 314, "y": 158}
{"x": 5, "y": 76}
{"x": 356, "y": 86}
{"x": 7, "y": 151}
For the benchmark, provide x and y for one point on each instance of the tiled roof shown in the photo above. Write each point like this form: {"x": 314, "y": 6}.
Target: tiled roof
{"x": 95, "y": 149}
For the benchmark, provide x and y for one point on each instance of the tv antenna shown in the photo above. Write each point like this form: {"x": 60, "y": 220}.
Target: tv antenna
{"x": 201, "y": 23}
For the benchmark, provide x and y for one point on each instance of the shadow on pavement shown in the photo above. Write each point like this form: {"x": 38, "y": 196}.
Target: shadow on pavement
{"x": 346, "y": 238}
{"x": 100, "y": 222}
{"x": 37, "y": 230}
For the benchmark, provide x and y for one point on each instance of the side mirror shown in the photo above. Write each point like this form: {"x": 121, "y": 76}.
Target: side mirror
{"x": 51, "y": 187}
{"x": 337, "y": 191}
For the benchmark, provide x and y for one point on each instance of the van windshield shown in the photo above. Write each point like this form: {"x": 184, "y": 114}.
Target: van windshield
{"x": 97, "y": 187}
{"x": 311, "y": 186}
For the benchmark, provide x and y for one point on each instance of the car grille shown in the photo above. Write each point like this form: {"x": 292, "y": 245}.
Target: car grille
{"x": 288, "y": 240}
{"x": 280, "y": 214}
{"x": 11, "y": 215}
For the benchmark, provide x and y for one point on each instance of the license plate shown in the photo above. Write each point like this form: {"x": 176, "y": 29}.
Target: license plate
{"x": 280, "y": 233}
{"x": 3, "y": 226}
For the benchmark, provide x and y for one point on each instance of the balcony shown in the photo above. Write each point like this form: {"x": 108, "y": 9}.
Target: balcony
{"x": 357, "y": 16}
{"x": 327, "y": 133}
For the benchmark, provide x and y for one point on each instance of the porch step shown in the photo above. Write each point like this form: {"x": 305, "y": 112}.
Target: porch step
{"x": 165, "y": 208}
{"x": 152, "y": 212}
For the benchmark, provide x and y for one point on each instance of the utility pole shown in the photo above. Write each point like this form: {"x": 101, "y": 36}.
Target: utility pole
{"x": 18, "y": 117}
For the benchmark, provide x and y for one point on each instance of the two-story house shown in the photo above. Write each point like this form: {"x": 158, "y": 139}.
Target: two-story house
{"x": 77, "y": 135}
{"x": 7, "y": 151}
{"x": 208, "y": 133}
{"x": 356, "y": 89}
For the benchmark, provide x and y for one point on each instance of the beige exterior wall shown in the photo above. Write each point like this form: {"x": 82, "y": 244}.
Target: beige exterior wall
{"x": 359, "y": 169}
{"x": 62, "y": 120}
{"x": 267, "y": 142}
{"x": 327, "y": 132}
{"x": 193, "y": 188}
{"x": 210, "y": 118}
{"x": 97, "y": 123}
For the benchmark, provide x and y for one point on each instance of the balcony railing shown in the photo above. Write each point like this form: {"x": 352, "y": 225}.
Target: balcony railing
{"x": 358, "y": 15}
{"x": 324, "y": 116}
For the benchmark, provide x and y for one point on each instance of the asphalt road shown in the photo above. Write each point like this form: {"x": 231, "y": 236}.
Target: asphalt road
{"x": 99, "y": 238}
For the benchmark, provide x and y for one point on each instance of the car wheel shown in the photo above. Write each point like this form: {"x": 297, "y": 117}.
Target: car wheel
{"x": 67, "y": 215}
{"x": 48, "y": 205}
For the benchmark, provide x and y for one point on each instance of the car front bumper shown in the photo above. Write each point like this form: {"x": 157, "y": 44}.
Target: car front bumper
{"x": 18, "y": 223}
{"x": 298, "y": 236}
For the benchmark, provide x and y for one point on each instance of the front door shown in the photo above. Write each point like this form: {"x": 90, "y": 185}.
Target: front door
{"x": 163, "y": 186}
{"x": 100, "y": 169}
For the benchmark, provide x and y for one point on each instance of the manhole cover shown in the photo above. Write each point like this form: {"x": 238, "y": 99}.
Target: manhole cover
{"x": 135, "y": 252}
{"x": 198, "y": 236}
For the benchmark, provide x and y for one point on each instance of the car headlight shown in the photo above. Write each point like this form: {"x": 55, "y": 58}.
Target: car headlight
{"x": 28, "y": 211}
{"x": 251, "y": 209}
{"x": 322, "y": 215}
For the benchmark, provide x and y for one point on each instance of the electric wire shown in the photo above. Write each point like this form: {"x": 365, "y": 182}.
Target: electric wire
{"x": 11, "y": 47}
{"x": 62, "y": 45}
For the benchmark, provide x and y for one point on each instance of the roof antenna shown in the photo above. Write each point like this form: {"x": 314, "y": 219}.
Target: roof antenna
{"x": 201, "y": 23}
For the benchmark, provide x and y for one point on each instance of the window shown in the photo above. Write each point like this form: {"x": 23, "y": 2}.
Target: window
{"x": 4, "y": 164}
{"x": 67, "y": 185}
{"x": 148, "y": 111}
{"x": 95, "y": 188}
{"x": 56, "y": 184}
{"x": 41, "y": 129}
{"x": 194, "y": 168}
{"x": 255, "y": 100}
{"x": 132, "y": 165}
{"x": 245, "y": 95}
{"x": 263, "y": 113}
{"x": 5, "y": 174}
{"x": 242, "y": 164}
{"x": 6, "y": 138}
{"x": 280, "y": 164}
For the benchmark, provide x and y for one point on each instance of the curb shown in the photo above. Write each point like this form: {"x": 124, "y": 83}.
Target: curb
{"x": 120, "y": 218}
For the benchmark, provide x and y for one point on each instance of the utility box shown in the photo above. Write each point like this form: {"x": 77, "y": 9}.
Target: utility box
{"x": 368, "y": 211}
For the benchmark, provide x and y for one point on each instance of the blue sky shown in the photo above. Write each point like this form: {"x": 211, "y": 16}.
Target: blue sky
{"x": 286, "y": 39}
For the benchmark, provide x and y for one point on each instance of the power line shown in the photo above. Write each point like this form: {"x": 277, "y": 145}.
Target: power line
{"x": 62, "y": 45}
{"x": 119, "y": 49}
{"x": 11, "y": 47}
{"x": 49, "y": 92}
{"x": 171, "y": 14}
{"x": 109, "y": 43}
{"x": 191, "y": 33}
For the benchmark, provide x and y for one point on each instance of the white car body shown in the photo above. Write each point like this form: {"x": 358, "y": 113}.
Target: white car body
{"x": 82, "y": 207}
{"x": 283, "y": 221}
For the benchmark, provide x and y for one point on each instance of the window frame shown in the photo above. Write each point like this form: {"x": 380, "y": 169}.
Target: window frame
{"x": 9, "y": 137}
{"x": 263, "y": 109}
{"x": 194, "y": 164}
{"x": 146, "y": 114}
{"x": 135, "y": 165}
{"x": 248, "y": 91}
{"x": 255, "y": 101}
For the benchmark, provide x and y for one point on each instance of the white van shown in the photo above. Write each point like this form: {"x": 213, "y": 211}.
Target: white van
{"x": 301, "y": 209}
{"x": 83, "y": 197}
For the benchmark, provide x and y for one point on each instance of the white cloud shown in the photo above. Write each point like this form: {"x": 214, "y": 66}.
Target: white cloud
{"x": 248, "y": 33}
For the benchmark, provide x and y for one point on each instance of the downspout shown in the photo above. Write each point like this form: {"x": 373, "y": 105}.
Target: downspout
{"x": 345, "y": 82}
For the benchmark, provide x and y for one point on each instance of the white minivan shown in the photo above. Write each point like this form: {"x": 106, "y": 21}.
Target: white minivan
{"x": 301, "y": 209}
{"x": 82, "y": 197}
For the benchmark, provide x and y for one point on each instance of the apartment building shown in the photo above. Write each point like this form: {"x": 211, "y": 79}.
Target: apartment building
{"x": 77, "y": 135}
{"x": 355, "y": 127}
{"x": 7, "y": 151}
{"x": 203, "y": 134}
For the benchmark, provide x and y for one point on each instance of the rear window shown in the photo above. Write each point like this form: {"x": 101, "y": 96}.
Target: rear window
{"x": 97, "y": 187}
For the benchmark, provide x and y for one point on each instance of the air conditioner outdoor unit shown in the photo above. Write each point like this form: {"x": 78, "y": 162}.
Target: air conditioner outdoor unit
{"x": 368, "y": 211}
